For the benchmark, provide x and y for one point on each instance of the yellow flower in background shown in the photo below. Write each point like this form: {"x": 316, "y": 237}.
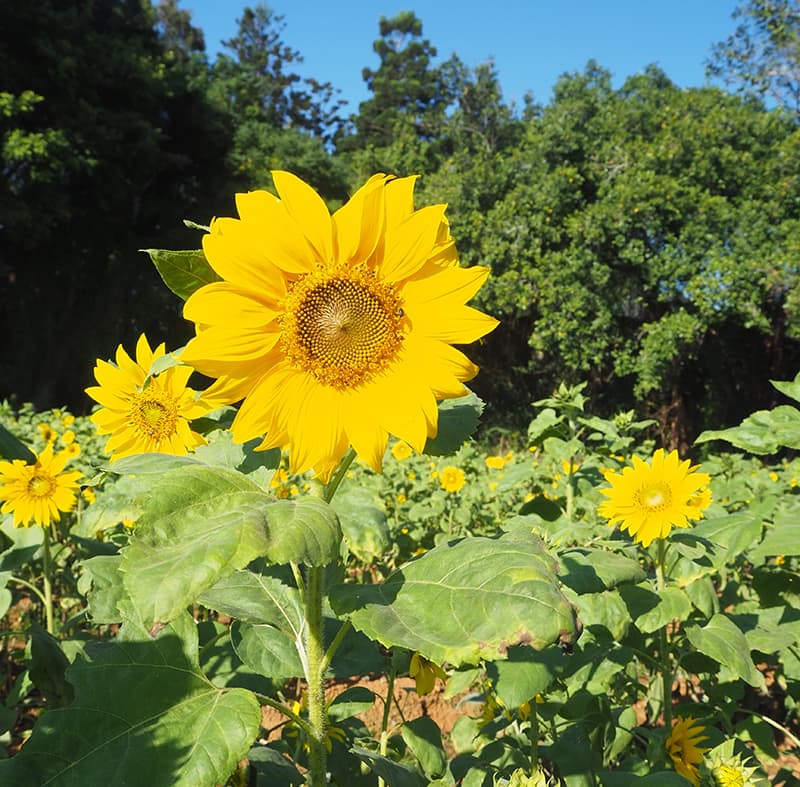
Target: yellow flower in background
{"x": 495, "y": 462}
{"x": 67, "y": 420}
{"x": 68, "y": 437}
{"x": 425, "y": 673}
{"x": 509, "y": 457}
{"x": 72, "y": 450}
{"x": 145, "y": 414}
{"x": 87, "y": 493}
{"x": 683, "y": 749}
{"x": 401, "y": 450}
{"x": 335, "y": 330}
{"x": 401, "y": 499}
{"x": 452, "y": 479}
{"x": 649, "y": 499}
{"x": 47, "y": 432}
{"x": 39, "y": 492}
{"x": 569, "y": 466}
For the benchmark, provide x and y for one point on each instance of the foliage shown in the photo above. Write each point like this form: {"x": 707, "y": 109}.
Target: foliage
{"x": 763, "y": 54}
{"x": 523, "y": 513}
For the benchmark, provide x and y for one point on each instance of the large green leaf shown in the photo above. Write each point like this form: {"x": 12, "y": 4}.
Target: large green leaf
{"x": 722, "y": 640}
{"x": 592, "y": 570}
{"x": 465, "y": 601}
{"x": 458, "y": 419}
{"x": 305, "y": 531}
{"x": 12, "y": 448}
{"x": 525, "y": 673}
{"x": 256, "y": 598}
{"x": 183, "y": 271}
{"x": 268, "y": 651}
{"x": 782, "y": 538}
{"x": 763, "y": 432}
{"x": 143, "y": 714}
{"x": 790, "y": 388}
{"x": 197, "y": 525}
{"x": 363, "y": 522}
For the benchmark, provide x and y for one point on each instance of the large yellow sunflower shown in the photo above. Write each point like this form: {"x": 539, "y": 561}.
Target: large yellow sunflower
{"x": 38, "y": 492}
{"x": 141, "y": 413}
{"x": 335, "y": 330}
{"x": 683, "y": 749}
{"x": 650, "y": 499}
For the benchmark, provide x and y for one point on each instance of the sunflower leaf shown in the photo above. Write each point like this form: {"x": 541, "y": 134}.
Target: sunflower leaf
{"x": 722, "y": 640}
{"x": 458, "y": 419}
{"x": 465, "y": 601}
{"x": 182, "y": 271}
{"x": 175, "y": 728}
{"x": 762, "y": 432}
{"x": 12, "y": 448}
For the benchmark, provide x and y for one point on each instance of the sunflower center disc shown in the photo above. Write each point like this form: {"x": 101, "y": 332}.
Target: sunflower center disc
{"x": 656, "y": 497}
{"x": 155, "y": 413}
{"x": 41, "y": 486}
{"x": 342, "y": 330}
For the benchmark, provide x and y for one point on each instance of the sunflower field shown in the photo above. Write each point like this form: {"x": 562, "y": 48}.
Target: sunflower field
{"x": 258, "y": 546}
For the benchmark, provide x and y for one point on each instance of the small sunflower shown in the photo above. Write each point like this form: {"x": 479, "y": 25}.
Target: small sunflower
{"x": 682, "y": 747}
{"x": 38, "y": 492}
{"x": 452, "y": 479}
{"x": 495, "y": 462}
{"x": 401, "y": 450}
{"x": 722, "y": 768}
{"x": 335, "y": 330}
{"x": 650, "y": 499}
{"x": 145, "y": 413}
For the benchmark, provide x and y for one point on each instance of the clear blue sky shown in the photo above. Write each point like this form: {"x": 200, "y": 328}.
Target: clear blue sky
{"x": 531, "y": 42}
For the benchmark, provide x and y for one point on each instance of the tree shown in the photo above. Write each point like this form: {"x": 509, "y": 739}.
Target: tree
{"x": 637, "y": 237}
{"x": 763, "y": 54}
{"x": 257, "y": 83}
{"x": 105, "y": 147}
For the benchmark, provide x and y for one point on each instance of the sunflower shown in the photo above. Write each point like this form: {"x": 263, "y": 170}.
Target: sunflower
{"x": 683, "y": 749}
{"x": 452, "y": 479}
{"x": 495, "y": 462}
{"x": 144, "y": 412}
{"x": 401, "y": 451}
{"x": 335, "y": 330}
{"x": 650, "y": 499}
{"x": 38, "y": 492}
{"x": 721, "y": 767}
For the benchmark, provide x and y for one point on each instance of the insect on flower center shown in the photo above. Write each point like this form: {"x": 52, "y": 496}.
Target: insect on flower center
{"x": 654, "y": 497}
{"x": 154, "y": 412}
{"x": 342, "y": 328}
{"x": 41, "y": 485}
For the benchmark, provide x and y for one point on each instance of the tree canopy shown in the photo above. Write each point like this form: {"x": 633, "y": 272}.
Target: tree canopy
{"x": 641, "y": 238}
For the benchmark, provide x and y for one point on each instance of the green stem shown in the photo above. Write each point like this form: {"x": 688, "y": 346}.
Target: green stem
{"x": 315, "y": 655}
{"x": 570, "y": 501}
{"x": 47, "y": 581}
{"x": 316, "y": 658}
{"x": 300, "y": 722}
{"x": 30, "y": 587}
{"x": 666, "y": 669}
{"x": 533, "y": 734}
{"x": 387, "y": 706}
{"x": 334, "y": 646}
{"x": 338, "y": 476}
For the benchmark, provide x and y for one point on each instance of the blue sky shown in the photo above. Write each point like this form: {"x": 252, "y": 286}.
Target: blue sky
{"x": 531, "y": 42}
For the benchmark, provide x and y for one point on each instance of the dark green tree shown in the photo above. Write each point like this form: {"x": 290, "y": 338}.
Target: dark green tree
{"x": 105, "y": 147}
{"x": 276, "y": 118}
{"x": 643, "y": 239}
{"x": 762, "y": 55}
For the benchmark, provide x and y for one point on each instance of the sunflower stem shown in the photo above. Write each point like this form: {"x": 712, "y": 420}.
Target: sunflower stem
{"x": 315, "y": 654}
{"x": 533, "y": 734}
{"x": 338, "y": 476}
{"x": 316, "y": 659}
{"x": 387, "y": 706}
{"x": 666, "y": 668}
{"x": 48, "y": 583}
